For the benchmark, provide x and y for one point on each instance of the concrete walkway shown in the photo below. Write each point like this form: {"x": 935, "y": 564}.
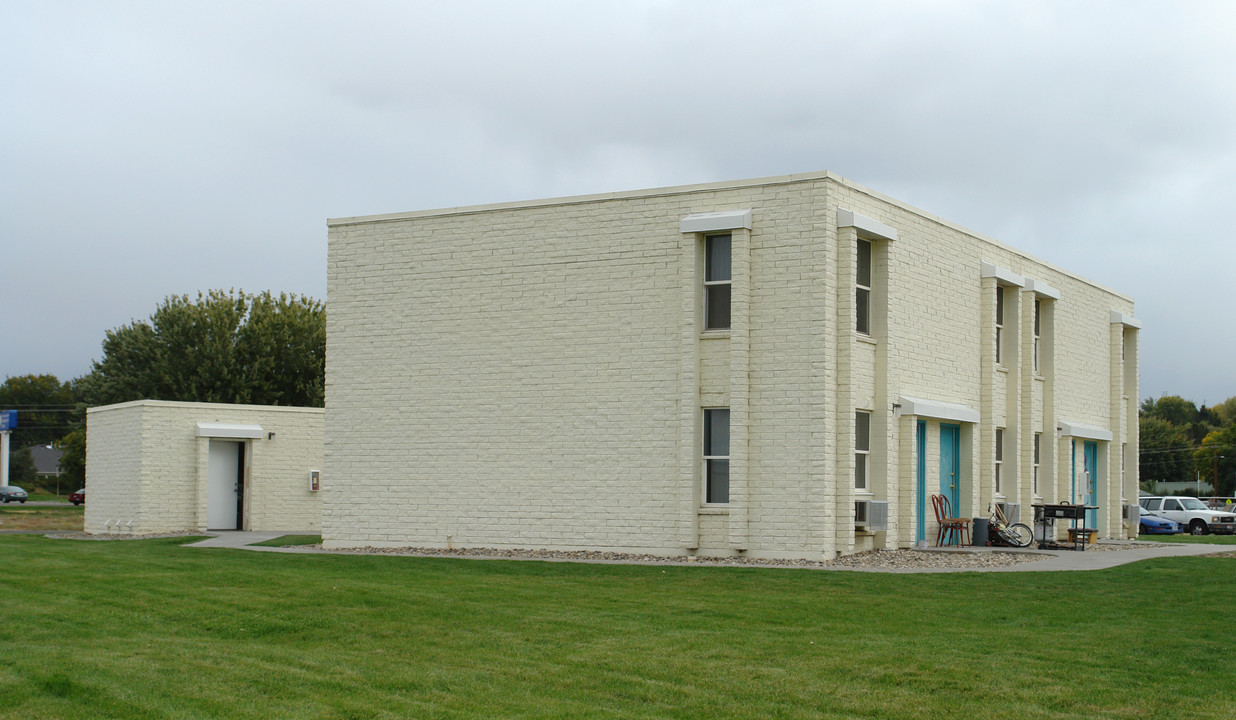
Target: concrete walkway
{"x": 1100, "y": 559}
{"x": 1053, "y": 560}
{"x": 243, "y": 539}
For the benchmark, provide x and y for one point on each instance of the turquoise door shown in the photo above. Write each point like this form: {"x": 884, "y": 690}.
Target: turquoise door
{"x": 950, "y": 466}
{"x": 1090, "y": 463}
{"x": 920, "y": 509}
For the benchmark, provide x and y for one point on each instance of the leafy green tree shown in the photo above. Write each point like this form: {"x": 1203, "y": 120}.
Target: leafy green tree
{"x": 1172, "y": 408}
{"x": 1226, "y": 411}
{"x": 1215, "y": 460}
{"x": 1166, "y": 452}
{"x": 45, "y": 407}
{"x": 225, "y": 347}
{"x": 73, "y": 461}
{"x": 21, "y": 468}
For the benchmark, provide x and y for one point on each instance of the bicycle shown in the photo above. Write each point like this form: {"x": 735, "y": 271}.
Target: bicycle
{"x": 1001, "y": 532}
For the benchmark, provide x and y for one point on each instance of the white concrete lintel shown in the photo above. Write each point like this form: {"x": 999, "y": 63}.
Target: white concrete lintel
{"x": 1002, "y": 276}
{"x": 714, "y": 221}
{"x": 938, "y": 410}
{"x": 1089, "y": 432}
{"x": 230, "y": 430}
{"x": 1126, "y": 320}
{"x": 868, "y": 229}
{"x": 1038, "y": 287}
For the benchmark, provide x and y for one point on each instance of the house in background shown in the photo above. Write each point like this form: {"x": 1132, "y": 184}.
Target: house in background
{"x": 784, "y": 367}
{"x": 46, "y": 460}
{"x": 154, "y": 466}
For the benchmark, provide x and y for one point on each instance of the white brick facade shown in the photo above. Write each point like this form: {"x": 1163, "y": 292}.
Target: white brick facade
{"x": 146, "y": 465}
{"x": 534, "y": 374}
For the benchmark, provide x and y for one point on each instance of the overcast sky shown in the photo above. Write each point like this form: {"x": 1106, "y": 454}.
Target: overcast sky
{"x": 158, "y": 148}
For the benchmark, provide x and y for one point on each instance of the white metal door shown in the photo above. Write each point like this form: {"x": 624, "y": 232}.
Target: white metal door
{"x": 223, "y": 486}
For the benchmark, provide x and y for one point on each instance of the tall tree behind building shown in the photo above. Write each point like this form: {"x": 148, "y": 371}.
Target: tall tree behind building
{"x": 224, "y": 347}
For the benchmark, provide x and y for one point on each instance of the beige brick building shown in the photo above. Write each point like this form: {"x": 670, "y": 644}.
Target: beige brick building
{"x": 154, "y": 466}
{"x": 780, "y": 367}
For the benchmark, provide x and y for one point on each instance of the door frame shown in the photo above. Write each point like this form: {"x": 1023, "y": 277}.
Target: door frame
{"x": 920, "y": 506}
{"x": 1090, "y": 467}
{"x": 954, "y": 445}
{"x": 242, "y": 457}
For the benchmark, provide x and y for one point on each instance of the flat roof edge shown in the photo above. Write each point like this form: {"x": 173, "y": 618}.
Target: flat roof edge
{"x": 183, "y": 404}
{"x": 582, "y": 199}
{"x": 723, "y": 185}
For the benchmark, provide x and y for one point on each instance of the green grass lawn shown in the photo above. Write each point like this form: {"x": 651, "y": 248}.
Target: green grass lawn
{"x": 45, "y": 495}
{"x": 23, "y": 517}
{"x": 1205, "y": 539}
{"x": 146, "y": 629}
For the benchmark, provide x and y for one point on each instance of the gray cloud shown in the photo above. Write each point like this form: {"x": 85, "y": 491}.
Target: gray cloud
{"x": 157, "y": 148}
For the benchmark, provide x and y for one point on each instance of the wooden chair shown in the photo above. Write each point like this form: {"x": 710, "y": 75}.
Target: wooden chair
{"x": 954, "y": 531}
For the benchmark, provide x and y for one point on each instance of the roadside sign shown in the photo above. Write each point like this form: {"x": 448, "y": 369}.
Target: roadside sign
{"x": 8, "y": 420}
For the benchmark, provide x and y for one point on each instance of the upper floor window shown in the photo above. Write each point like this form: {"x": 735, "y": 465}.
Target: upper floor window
{"x": 999, "y": 323}
{"x": 862, "y": 447}
{"x": 862, "y": 294}
{"x": 717, "y": 455}
{"x": 1038, "y": 330}
{"x": 717, "y": 282}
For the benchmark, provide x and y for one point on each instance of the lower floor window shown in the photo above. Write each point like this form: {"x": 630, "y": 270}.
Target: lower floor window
{"x": 999, "y": 456}
{"x": 716, "y": 455}
{"x": 1037, "y": 437}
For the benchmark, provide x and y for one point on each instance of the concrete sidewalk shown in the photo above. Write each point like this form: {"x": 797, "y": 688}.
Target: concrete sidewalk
{"x": 243, "y": 539}
{"x": 1053, "y": 560}
{"x": 1100, "y": 559}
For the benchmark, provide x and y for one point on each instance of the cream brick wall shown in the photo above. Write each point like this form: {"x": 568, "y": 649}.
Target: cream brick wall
{"x": 146, "y": 466}
{"x": 532, "y": 374}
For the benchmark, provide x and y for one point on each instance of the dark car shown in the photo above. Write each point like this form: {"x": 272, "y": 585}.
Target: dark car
{"x": 1155, "y": 525}
{"x": 79, "y": 497}
{"x": 12, "y": 493}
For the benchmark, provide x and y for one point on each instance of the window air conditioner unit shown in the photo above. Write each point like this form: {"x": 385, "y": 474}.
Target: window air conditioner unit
{"x": 871, "y": 515}
{"x": 1133, "y": 512}
{"x": 1012, "y": 511}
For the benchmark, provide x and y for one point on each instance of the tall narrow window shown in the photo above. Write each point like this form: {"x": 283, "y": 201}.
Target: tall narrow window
{"x": 862, "y": 293}
{"x": 999, "y": 455}
{"x": 1035, "y": 468}
{"x": 717, "y": 455}
{"x": 1038, "y": 306}
{"x": 999, "y": 321}
{"x": 862, "y": 448}
{"x": 717, "y": 282}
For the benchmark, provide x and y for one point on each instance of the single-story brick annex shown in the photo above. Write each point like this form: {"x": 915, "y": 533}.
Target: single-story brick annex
{"x": 154, "y": 466}
{"x": 783, "y": 367}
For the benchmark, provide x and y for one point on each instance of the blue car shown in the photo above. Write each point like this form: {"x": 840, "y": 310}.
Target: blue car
{"x": 1155, "y": 525}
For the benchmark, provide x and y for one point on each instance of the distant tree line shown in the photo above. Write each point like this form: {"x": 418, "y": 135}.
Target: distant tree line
{"x": 1181, "y": 442}
{"x": 223, "y": 347}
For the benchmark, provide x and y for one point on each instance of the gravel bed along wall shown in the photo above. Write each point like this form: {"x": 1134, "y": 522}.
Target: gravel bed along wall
{"x": 874, "y": 559}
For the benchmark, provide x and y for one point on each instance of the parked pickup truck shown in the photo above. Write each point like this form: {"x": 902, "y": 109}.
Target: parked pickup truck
{"x": 1192, "y": 514}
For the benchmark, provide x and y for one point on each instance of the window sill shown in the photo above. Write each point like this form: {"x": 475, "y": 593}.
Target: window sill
{"x": 714, "y": 510}
{"x": 715, "y": 335}
{"x": 1039, "y": 378}
{"x": 863, "y": 493}
{"x": 865, "y": 339}
{"x": 1002, "y": 368}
